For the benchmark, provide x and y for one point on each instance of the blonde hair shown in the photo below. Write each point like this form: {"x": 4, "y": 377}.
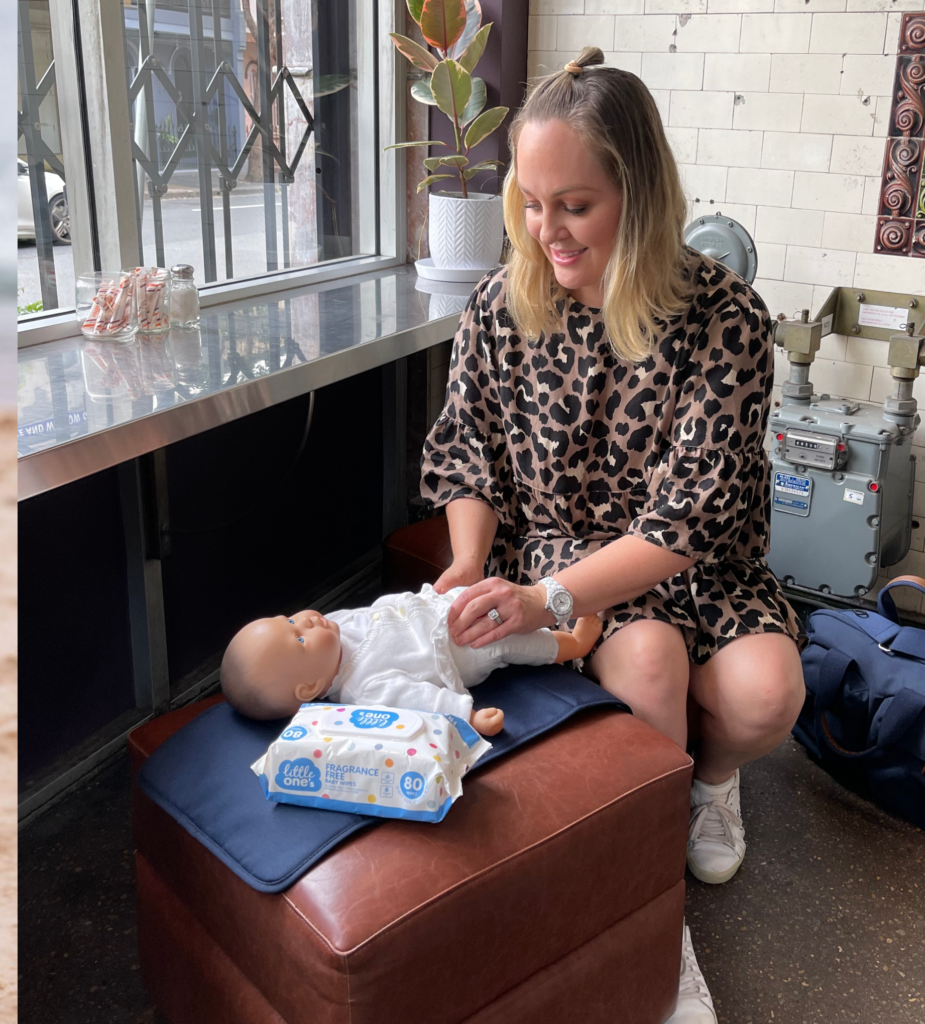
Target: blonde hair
{"x": 646, "y": 281}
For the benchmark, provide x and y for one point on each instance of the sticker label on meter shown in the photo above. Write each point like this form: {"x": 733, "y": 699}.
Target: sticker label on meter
{"x": 886, "y": 317}
{"x": 856, "y": 497}
{"x": 792, "y": 494}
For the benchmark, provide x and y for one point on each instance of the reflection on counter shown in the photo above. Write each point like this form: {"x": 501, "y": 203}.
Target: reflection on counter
{"x": 447, "y": 298}
{"x": 79, "y": 386}
{"x": 101, "y": 383}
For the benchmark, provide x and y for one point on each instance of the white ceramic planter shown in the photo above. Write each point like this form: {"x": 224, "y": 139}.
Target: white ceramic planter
{"x": 465, "y": 234}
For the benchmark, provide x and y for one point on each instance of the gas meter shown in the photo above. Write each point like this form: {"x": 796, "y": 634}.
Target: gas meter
{"x": 842, "y": 471}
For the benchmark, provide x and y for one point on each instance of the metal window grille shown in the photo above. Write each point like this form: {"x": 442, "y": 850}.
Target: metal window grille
{"x": 342, "y": 192}
{"x": 213, "y": 109}
{"x": 33, "y": 92}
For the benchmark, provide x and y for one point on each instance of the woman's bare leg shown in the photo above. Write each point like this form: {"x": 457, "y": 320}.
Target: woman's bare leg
{"x": 749, "y": 693}
{"x": 646, "y": 664}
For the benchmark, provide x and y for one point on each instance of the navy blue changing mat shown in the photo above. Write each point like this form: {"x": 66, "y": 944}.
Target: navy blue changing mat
{"x": 201, "y": 775}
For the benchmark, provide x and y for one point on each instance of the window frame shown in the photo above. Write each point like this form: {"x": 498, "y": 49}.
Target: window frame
{"x": 87, "y": 39}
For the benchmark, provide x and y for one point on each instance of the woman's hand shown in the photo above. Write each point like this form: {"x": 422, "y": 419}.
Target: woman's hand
{"x": 462, "y": 573}
{"x": 522, "y": 610}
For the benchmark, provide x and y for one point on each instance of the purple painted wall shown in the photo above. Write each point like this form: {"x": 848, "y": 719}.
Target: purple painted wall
{"x": 504, "y": 68}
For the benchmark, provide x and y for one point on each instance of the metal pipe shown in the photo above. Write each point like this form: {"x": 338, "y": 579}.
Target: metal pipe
{"x": 224, "y": 183}
{"x": 799, "y": 373}
{"x": 31, "y": 127}
{"x": 200, "y": 122}
{"x": 266, "y": 117}
{"x": 902, "y": 389}
{"x": 283, "y": 125}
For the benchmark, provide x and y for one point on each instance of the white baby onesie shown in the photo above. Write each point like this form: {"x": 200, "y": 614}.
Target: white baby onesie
{"x": 398, "y": 652}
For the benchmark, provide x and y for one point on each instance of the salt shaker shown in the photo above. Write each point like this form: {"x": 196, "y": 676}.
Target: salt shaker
{"x": 184, "y": 297}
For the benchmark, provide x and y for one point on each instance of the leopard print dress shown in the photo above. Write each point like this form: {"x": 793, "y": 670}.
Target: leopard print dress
{"x": 573, "y": 447}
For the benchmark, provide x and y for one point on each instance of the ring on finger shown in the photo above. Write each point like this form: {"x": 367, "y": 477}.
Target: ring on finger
{"x": 495, "y": 617}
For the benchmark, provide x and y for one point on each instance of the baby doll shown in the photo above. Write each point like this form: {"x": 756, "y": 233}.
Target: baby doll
{"x": 397, "y": 652}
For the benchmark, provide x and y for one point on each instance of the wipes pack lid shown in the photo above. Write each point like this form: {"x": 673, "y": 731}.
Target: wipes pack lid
{"x": 384, "y": 723}
{"x": 387, "y": 762}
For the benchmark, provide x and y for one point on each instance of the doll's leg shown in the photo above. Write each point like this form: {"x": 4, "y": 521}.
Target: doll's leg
{"x": 487, "y": 721}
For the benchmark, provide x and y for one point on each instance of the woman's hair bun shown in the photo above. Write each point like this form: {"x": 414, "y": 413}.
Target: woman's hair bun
{"x": 590, "y": 55}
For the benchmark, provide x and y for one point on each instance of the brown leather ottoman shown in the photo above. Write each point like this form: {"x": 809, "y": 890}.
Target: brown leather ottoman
{"x": 553, "y": 892}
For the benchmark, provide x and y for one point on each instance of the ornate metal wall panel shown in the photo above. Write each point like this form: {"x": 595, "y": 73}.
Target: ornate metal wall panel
{"x": 901, "y": 221}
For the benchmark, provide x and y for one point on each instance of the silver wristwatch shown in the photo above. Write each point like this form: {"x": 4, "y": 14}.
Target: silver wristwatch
{"x": 558, "y": 600}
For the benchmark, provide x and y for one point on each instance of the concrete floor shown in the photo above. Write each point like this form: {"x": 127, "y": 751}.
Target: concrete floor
{"x": 825, "y": 921}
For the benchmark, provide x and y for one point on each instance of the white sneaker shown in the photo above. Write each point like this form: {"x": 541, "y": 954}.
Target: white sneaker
{"x": 694, "y": 1003}
{"x": 716, "y": 840}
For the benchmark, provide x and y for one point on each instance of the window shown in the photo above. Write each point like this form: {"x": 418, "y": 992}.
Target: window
{"x": 247, "y": 141}
{"x": 45, "y": 266}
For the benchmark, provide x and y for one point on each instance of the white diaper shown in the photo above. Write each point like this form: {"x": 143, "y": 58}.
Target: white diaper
{"x": 371, "y": 759}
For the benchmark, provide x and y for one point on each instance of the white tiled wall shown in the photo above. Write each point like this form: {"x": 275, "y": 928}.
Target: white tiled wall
{"x": 777, "y": 112}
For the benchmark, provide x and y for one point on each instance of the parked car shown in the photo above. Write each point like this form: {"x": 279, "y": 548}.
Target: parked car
{"x": 57, "y": 205}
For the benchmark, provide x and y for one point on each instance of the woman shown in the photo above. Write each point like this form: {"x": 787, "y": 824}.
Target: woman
{"x": 607, "y": 403}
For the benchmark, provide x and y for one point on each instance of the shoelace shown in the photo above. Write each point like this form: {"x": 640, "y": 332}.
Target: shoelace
{"x": 692, "y": 982}
{"x": 716, "y": 822}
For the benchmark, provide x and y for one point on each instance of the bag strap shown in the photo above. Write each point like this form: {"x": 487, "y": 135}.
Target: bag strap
{"x": 831, "y": 678}
{"x": 885, "y": 603}
{"x": 905, "y": 707}
{"x": 908, "y": 641}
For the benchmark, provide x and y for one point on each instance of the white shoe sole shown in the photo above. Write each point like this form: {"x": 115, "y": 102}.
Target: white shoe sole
{"x": 713, "y": 877}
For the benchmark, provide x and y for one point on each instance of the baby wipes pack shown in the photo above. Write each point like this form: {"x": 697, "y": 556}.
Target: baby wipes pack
{"x": 388, "y": 762}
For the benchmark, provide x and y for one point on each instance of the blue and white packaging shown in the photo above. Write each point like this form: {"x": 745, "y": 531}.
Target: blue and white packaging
{"x": 387, "y": 762}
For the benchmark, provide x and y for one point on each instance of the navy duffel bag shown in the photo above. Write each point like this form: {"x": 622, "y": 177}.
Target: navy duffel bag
{"x": 864, "y": 715}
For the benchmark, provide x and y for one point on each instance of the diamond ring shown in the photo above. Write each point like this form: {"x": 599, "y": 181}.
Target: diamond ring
{"x": 495, "y": 617}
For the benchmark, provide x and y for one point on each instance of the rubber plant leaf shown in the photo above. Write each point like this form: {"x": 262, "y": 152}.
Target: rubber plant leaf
{"x": 476, "y": 101}
{"x": 483, "y": 166}
{"x": 416, "y": 53}
{"x": 473, "y": 21}
{"x": 452, "y": 87}
{"x": 408, "y": 145}
{"x": 422, "y": 92}
{"x": 431, "y": 178}
{"x": 484, "y": 125}
{"x": 433, "y": 162}
{"x": 325, "y": 85}
{"x": 414, "y": 9}
{"x": 473, "y": 52}
{"x": 442, "y": 22}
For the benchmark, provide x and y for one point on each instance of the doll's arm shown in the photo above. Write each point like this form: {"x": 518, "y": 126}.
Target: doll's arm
{"x": 397, "y": 690}
{"x": 579, "y": 642}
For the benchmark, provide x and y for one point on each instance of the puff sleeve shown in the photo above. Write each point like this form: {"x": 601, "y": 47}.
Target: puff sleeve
{"x": 707, "y": 496}
{"x": 466, "y": 453}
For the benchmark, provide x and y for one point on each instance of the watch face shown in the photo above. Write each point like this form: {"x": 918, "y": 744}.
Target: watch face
{"x": 561, "y": 603}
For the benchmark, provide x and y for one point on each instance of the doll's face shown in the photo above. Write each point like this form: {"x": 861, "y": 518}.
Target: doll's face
{"x": 292, "y": 659}
{"x": 571, "y": 206}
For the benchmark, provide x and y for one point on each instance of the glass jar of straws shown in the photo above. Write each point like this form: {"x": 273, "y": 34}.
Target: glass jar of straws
{"x": 152, "y": 299}
{"x": 106, "y": 305}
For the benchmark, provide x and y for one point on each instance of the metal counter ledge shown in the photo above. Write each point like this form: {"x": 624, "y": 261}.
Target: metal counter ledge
{"x": 85, "y": 406}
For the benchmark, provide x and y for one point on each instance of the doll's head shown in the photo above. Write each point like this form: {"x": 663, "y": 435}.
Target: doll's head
{"x": 272, "y": 666}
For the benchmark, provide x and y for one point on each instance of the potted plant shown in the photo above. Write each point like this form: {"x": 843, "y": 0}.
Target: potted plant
{"x": 466, "y": 229}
